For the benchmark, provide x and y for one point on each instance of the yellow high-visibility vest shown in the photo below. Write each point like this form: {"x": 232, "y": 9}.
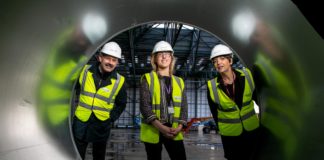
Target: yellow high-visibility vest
{"x": 231, "y": 119}
{"x": 57, "y": 78}
{"x": 149, "y": 133}
{"x": 55, "y": 91}
{"x": 100, "y": 101}
{"x": 281, "y": 98}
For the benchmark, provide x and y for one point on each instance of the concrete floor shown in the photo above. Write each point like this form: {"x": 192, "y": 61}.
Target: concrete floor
{"x": 124, "y": 144}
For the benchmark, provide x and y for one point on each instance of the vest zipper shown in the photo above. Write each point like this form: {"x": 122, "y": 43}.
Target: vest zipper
{"x": 240, "y": 118}
{"x": 95, "y": 95}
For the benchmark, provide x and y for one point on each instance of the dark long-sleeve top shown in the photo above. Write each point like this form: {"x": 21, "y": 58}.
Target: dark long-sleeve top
{"x": 94, "y": 129}
{"x": 166, "y": 98}
{"x": 104, "y": 79}
{"x": 237, "y": 95}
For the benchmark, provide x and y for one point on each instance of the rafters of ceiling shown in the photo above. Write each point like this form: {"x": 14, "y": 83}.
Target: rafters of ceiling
{"x": 191, "y": 46}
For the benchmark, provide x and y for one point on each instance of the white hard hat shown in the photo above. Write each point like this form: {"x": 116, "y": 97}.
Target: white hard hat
{"x": 94, "y": 27}
{"x": 162, "y": 46}
{"x": 112, "y": 49}
{"x": 220, "y": 50}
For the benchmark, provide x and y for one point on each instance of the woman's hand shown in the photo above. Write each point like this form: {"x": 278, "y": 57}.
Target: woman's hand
{"x": 175, "y": 131}
{"x": 165, "y": 130}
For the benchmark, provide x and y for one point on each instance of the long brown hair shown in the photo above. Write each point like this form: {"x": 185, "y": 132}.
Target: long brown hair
{"x": 154, "y": 64}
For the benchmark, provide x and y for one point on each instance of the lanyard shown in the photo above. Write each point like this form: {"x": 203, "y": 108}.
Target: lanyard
{"x": 168, "y": 89}
{"x": 232, "y": 96}
{"x": 231, "y": 87}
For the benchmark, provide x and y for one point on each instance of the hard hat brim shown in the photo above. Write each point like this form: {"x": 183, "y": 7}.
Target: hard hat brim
{"x": 107, "y": 54}
{"x": 225, "y": 54}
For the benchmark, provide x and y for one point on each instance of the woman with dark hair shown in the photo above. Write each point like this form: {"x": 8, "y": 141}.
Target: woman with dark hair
{"x": 230, "y": 101}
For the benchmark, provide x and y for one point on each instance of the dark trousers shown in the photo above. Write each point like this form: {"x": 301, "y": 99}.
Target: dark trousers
{"x": 240, "y": 147}
{"x": 175, "y": 149}
{"x": 98, "y": 149}
{"x": 93, "y": 131}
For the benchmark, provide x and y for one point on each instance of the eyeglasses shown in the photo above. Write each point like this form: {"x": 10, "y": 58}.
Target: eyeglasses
{"x": 164, "y": 54}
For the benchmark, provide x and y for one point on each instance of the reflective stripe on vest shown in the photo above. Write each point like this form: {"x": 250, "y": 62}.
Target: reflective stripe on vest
{"x": 55, "y": 90}
{"x": 149, "y": 133}
{"x": 231, "y": 119}
{"x": 100, "y": 101}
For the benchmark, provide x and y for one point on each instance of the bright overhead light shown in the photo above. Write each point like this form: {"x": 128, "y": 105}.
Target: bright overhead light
{"x": 200, "y": 61}
{"x": 188, "y": 27}
{"x": 243, "y": 25}
{"x": 159, "y": 25}
{"x": 148, "y": 60}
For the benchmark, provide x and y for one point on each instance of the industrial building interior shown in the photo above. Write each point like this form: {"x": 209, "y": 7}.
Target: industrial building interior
{"x": 40, "y": 58}
{"x": 192, "y": 47}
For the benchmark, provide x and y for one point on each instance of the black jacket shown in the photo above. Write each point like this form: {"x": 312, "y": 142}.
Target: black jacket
{"x": 95, "y": 129}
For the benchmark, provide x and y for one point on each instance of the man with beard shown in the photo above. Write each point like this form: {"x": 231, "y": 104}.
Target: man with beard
{"x": 102, "y": 99}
